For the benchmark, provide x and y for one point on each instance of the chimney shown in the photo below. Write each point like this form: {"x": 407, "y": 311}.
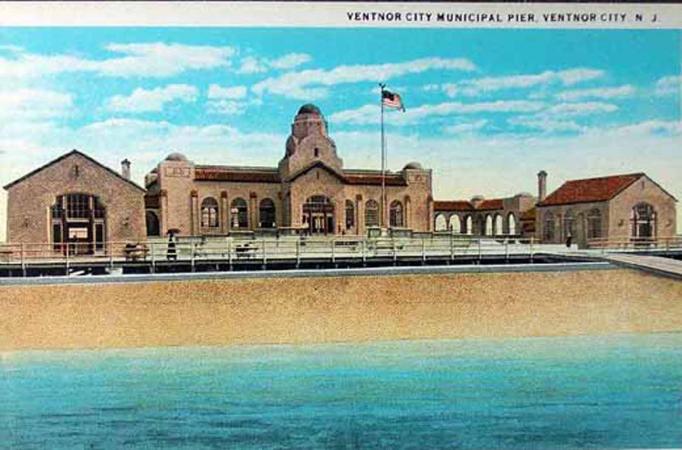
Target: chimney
{"x": 542, "y": 185}
{"x": 125, "y": 169}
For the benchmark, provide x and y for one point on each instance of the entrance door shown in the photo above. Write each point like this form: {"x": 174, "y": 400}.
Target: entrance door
{"x": 79, "y": 239}
{"x": 318, "y": 215}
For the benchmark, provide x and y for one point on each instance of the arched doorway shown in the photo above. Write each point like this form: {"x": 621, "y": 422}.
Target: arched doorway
{"x": 318, "y": 215}
{"x": 499, "y": 225}
{"x": 643, "y": 221}
{"x": 489, "y": 230}
{"x": 468, "y": 226}
{"x": 78, "y": 224}
{"x": 511, "y": 224}
{"x": 455, "y": 224}
{"x": 440, "y": 223}
{"x": 152, "y": 220}
{"x": 239, "y": 213}
{"x": 396, "y": 214}
{"x": 267, "y": 214}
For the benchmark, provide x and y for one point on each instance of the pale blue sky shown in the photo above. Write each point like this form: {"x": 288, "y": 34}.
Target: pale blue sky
{"x": 486, "y": 109}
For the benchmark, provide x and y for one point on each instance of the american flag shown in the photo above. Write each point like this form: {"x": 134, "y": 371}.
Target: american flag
{"x": 392, "y": 100}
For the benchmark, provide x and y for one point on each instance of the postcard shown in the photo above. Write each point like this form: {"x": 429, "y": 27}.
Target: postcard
{"x": 340, "y": 225}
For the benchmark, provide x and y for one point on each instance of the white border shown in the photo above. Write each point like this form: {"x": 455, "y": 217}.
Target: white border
{"x": 323, "y": 14}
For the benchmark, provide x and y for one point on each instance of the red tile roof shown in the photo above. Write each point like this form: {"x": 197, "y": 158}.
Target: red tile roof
{"x": 375, "y": 179}
{"x": 271, "y": 175}
{"x": 465, "y": 205}
{"x": 452, "y": 205}
{"x": 590, "y": 189}
{"x": 493, "y": 203}
{"x": 236, "y": 174}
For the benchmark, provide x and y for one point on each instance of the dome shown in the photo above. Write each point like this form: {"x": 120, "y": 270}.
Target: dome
{"x": 175, "y": 156}
{"x": 309, "y": 108}
{"x": 477, "y": 198}
{"x": 524, "y": 194}
{"x": 413, "y": 165}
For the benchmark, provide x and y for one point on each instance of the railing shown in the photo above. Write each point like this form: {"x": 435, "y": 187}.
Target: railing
{"x": 636, "y": 244}
{"x": 267, "y": 250}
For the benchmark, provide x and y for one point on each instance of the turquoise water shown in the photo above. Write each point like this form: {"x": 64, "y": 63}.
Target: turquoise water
{"x": 615, "y": 391}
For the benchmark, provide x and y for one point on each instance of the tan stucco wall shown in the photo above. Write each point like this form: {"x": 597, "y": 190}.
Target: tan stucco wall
{"x": 643, "y": 190}
{"x": 580, "y": 212}
{"x": 353, "y": 308}
{"x": 29, "y": 201}
{"x": 178, "y": 210}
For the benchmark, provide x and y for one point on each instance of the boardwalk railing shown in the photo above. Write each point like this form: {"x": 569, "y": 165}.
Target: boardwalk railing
{"x": 267, "y": 250}
{"x": 636, "y": 244}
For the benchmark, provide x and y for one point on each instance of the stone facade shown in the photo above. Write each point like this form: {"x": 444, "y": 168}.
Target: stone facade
{"x": 75, "y": 197}
{"x": 309, "y": 192}
{"x": 627, "y": 208}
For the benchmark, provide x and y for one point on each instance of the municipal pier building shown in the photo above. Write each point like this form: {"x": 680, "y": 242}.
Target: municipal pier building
{"x": 75, "y": 199}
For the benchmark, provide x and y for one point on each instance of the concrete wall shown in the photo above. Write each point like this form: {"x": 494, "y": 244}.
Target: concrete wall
{"x": 335, "y": 309}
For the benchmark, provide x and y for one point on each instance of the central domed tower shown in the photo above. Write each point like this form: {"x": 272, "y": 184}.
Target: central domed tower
{"x": 309, "y": 143}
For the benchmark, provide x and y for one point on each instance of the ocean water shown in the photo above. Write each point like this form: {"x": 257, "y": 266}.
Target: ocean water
{"x": 609, "y": 391}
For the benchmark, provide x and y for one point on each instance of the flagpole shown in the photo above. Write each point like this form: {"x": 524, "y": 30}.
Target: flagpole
{"x": 383, "y": 159}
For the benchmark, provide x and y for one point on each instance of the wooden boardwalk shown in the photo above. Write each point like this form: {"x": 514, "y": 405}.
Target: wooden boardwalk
{"x": 655, "y": 264}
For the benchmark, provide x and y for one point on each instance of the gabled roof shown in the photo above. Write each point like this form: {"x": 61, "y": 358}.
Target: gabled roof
{"x": 237, "y": 174}
{"x": 356, "y": 177}
{"x": 590, "y": 190}
{"x": 66, "y": 155}
{"x": 312, "y": 166}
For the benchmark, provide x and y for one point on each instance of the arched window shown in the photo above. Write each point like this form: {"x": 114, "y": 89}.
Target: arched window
{"x": 266, "y": 214}
{"x": 511, "y": 223}
{"x": 643, "y": 221}
{"x": 239, "y": 213}
{"x": 441, "y": 223}
{"x": 594, "y": 224}
{"x": 499, "y": 223}
{"x": 396, "y": 214}
{"x": 489, "y": 231}
{"x": 455, "y": 224}
{"x": 569, "y": 224}
{"x": 209, "y": 213}
{"x": 152, "y": 220}
{"x": 371, "y": 213}
{"x": 350, "y": 214}
{"x": 79, "y": 220}
{"x": 548, "y": 228}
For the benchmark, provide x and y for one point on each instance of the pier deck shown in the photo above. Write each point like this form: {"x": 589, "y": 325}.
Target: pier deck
{"x": 656, "y": 264}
